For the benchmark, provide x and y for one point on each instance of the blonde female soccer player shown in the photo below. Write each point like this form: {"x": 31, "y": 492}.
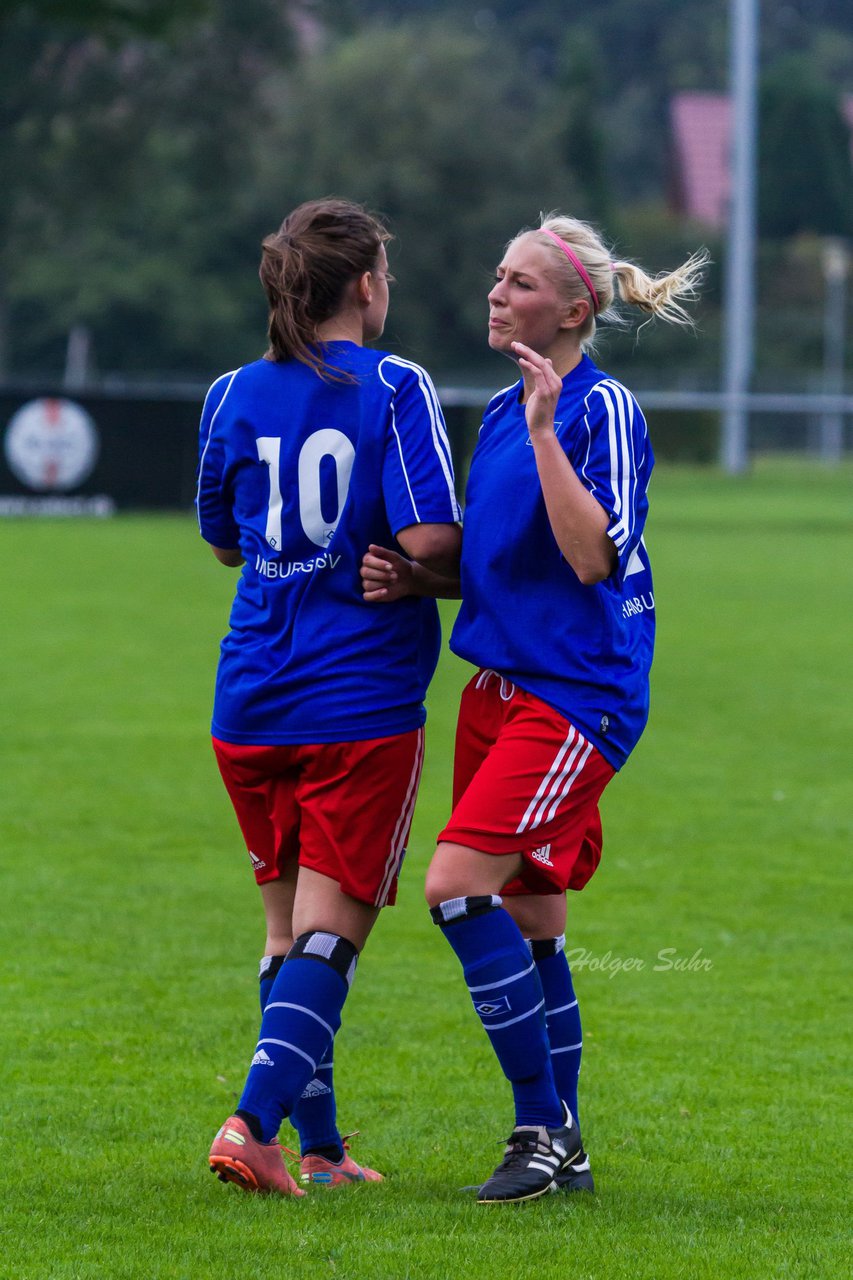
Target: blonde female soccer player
{"x": 558, "y": 617}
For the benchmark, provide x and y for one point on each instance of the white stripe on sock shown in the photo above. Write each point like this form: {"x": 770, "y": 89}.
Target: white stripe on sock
{"x": 497, "y": 1026}
{"x": 286, "y": 1045}
{"x": 490, "y": 986}
{"x": 300, "y": 1008}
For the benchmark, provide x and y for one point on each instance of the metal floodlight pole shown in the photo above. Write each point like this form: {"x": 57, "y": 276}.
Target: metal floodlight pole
{"x": 836, "y": 264}
{"x": 739, "y": 300}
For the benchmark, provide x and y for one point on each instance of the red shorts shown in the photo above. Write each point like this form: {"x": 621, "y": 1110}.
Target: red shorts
{"x": 343, "y": 809}
{"x": 526, "y": 781}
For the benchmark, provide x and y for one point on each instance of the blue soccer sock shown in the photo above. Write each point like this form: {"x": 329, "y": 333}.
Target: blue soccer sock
{"x": 314, "y": 1117}
{"x": 562, "y": 1016}
{"x": 507, "y": 995}
{"x": 267, "y": 974}
{"x": 299, "y": 1023}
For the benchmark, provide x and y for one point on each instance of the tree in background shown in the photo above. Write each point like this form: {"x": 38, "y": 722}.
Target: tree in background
{"x": 146, "y": 148}
{"x": 580, "y": 88}
{"x": 441, "y": 133}
{"x": 114, "y": 19}
{"x": 805, "y": 178}
{"x": 131, "y": 205}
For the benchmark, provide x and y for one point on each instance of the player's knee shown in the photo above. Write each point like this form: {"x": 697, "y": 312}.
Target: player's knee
{"x": 460, "y": 872}
{"x": 449, "y": 876}
{"x": 278, "y": 943}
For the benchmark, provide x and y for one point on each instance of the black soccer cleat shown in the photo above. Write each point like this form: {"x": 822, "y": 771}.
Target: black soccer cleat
{"x": 576, "y": 1176}
{"x": 533, "y": 1159}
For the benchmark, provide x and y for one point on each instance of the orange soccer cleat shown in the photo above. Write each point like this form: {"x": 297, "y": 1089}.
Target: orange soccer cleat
{"x": 255, "y": 1166}
{"x": 317, "y": 1170}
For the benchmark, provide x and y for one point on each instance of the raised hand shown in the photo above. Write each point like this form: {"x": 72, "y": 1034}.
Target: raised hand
{"x": 547, "y": 384}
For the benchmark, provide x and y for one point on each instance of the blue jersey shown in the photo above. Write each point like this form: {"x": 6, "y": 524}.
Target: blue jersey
{"x": 585, "y": 650}
{"x": 302, "y": 474}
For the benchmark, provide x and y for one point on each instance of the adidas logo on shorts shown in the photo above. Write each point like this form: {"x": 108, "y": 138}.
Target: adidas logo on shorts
{"x": 262, "y": 1059}
{"x": 543, "y": 855}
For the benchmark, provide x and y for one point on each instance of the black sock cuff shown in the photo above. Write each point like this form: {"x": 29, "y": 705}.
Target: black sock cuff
{"x": 252, "y": 1123}
{"x": 455, "y": 909}
{"x": 269, "y": 967}
{"x": 542, "y": 948}
{"x": 330, "y": 949}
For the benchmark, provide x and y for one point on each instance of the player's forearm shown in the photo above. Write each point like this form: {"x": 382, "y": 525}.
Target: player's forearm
{"x": 579, "y": 523}
{"x": 231, "y": 557}
{"x": 435, "y": 547}
{"x": 437, "y": 586}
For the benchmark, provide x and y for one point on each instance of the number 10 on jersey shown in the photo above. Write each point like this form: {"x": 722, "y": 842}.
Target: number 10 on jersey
{"x": 318, "y": 524}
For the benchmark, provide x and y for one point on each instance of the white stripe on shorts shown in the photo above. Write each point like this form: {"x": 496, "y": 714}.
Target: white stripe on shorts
{"x": 557, "y": 782}
{"x": 398, "y": 842}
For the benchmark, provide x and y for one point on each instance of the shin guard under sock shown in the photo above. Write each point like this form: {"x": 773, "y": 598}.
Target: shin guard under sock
{"x": 314, "y": 1117}
{"x": 507, "y": 995}
{"x": 562, "y": 1016}
{"x": 299, "y": 1023}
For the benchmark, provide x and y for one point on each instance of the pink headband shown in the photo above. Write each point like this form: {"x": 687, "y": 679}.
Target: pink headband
{"x": 576, "y": 263}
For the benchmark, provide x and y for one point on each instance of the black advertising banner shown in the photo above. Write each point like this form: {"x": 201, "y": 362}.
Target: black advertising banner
{"x": 67, "y": 454}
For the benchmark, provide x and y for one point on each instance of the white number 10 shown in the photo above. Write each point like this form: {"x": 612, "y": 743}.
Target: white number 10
{"x": 327, "y": 443}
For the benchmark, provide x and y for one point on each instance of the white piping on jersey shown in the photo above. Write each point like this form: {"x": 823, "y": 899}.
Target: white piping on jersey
{"x": 232, "y": 376}
{"x": 441, "y": 444}
{"x": 557, "y": 782}
{"x": 398, "y": 840}
{"x": 620, "y": 405}
{"x": 616, "y": 408}
{"x": 493, "y": 404}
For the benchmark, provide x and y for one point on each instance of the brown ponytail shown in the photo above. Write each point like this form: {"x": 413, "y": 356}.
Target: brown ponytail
{"x": 305, "y": 268}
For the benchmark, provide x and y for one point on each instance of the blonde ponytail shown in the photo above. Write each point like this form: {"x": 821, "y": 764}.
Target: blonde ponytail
{"x": 607, "y": 281}
{"x": 663, "y": 294}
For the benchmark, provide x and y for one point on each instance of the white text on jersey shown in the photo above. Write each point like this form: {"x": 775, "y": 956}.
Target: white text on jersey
{"x": 286, "y": 569}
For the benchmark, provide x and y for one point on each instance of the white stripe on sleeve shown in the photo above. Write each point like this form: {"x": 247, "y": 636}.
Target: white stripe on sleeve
{"x": 619, "y": 405}
{"x": 231, "y": 376}
{"x": 441, "y": 443}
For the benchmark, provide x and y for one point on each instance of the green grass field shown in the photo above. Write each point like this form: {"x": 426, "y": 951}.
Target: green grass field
{"x": 713, "y": 1100}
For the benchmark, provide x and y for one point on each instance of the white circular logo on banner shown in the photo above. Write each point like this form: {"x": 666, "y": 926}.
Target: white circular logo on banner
{"x": 51, "y": 444}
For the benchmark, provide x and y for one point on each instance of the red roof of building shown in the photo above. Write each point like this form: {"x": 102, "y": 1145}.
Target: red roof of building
{"x": 701, "y": 128}
{"x": 701, "y": 125}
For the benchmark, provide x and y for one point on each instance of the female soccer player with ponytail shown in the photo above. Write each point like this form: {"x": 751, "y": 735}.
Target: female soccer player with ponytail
{"x": 306, "y": 457}
{"x": 557, "y": 614}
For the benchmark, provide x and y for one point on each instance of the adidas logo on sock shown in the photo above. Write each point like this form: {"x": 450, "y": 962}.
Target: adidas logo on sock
{"x": 315, "y": 1088}
{"x": 543, "y": 855}
{"x": 262, "y": 1059}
